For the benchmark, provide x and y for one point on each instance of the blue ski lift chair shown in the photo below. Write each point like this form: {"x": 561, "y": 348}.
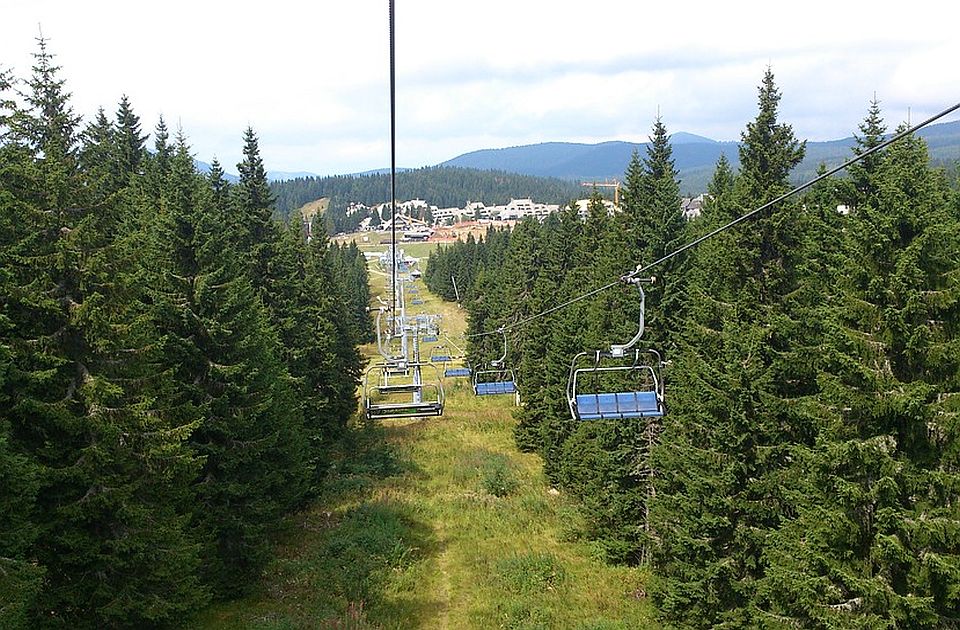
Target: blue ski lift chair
{"x": 620, "y": 384}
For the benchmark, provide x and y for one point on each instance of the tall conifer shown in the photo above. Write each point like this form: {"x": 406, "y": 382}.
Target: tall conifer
{"x": 224, "y": 356}
{"x": 719, "y": 466}
{"x": 876, "y": 538}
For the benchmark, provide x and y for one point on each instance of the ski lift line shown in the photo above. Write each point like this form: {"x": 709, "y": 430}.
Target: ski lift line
{"x": 641, "y": 268}
{"x": 393, "y": 155}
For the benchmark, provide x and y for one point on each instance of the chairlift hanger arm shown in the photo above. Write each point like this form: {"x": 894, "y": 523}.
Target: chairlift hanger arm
{"x": 619, "y": 350}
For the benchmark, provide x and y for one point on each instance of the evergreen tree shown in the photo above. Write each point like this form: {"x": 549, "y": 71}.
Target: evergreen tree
{"x": 659, "y": 230}
{"x": 95, "y": 157}
{"x": 220, "y": 188}
{"x": 20, "y": 575}
{"x": 130, "y": 147}
{"x": 876, "y": 537}
{"x": 338, "y": 376}
{"x": 862, "y": 185}
{"x": 109, "y": 468}
{"x": 253, "y": 209}
{"x": 734, "y": 415}
{"x": 224, "y": 357}
{"x": 157, "y": 166}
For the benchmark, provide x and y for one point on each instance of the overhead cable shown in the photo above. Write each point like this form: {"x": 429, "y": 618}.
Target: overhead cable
{"x": 641, "y": 268}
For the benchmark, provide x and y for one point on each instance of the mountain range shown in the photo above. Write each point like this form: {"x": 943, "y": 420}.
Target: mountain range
{"x": 694, "y": 157}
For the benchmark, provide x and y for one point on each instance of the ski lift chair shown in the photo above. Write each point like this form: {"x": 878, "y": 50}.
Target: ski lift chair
{"x": 619, "y": 384}
{"x": 387, "y": 397}
{"x": 498, "y": 380}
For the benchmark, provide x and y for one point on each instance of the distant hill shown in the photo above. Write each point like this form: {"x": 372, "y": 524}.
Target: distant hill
{"x": 204, "y": 167}
{"x": 695, "y": 157}
{"x": 282, "y": 176}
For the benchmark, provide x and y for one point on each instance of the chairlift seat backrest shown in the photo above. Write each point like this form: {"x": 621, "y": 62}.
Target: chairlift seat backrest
{"x": 456, "y": 372}
{"x": 430, "y": 339}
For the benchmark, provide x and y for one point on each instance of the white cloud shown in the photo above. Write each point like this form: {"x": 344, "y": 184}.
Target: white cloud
{"x": 312, "y": 78}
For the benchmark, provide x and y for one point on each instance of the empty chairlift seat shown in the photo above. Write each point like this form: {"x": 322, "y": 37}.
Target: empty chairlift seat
{"x": 494, "y": 388}
{"x": 618, "y": 406}
{"x": 621, "y": 383}
{"x": 430, "y": 339}
{"x": 390, "y": 395}
{"x": 499, "y": 380}
{"x": 459, "y": 372}
{"x": 495, "y": 382}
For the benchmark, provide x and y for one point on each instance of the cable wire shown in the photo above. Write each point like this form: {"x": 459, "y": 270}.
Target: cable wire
{"x": 393, "y": 165}
{"x": 641, "y": 268}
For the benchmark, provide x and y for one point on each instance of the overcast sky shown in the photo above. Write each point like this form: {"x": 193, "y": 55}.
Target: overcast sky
{"x": 312, "y": 78}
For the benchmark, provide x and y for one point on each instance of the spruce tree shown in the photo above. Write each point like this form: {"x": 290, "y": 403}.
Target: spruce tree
{"x": 876, "y": 537}
{"x": 862, "y": 185}
{"x": 130, "y": 147}
{"x": 660, "y": 229}
{"x": 720, "y": 463}
{"x": 224, "y": 357}
{"x": 20, "y": 575}
{"x": 96, "y": 157}
{"x": 109, "y": 467}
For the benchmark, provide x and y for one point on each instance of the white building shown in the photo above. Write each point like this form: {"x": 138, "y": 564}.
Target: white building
{"x": 519, "y": 209}
{"x": 583, "y": 207}
{"x": 692, "y": 206}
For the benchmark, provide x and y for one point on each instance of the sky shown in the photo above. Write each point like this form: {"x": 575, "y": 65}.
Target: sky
{"x": 312, "y": 78}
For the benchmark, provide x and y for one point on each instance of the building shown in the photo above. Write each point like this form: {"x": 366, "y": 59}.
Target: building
{"x": 691, "y": 207}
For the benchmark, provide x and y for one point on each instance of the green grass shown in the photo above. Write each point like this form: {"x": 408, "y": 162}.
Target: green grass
{"x": 439, "y": 523}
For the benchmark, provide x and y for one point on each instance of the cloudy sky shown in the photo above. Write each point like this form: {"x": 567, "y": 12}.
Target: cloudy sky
{"x": 312, "y": 78}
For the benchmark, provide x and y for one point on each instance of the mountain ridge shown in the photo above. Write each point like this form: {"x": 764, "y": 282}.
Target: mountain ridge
{"x": 695, "y": 157}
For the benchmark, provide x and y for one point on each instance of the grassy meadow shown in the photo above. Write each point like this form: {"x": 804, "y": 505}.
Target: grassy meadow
{"x": 439, "y": 523}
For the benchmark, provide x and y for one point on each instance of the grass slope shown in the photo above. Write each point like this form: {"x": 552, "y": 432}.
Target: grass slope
{"x": 439, "y": 523}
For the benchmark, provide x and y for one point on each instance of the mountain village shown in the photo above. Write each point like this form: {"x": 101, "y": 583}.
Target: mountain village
{"x": 441, "y": 224}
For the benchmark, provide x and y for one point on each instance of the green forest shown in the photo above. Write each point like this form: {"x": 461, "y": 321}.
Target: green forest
{"x": 806, "y": 472}
{"x": 179, "y": 372}
{"x": 443, "y": 187}
{"x": 174, "y": 366}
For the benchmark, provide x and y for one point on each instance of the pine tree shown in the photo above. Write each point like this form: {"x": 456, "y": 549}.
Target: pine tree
{"x": 20, "y": 575}
{"x": 130, "y": 145}
{"x": 95, "y": 158}
{"x": 862, "y": 184}
{"x": 338, "y": 376}
{"x": 877, "y": 535}
{"x": 544, "y": 376}
{"x": 224, "y": 358}
{"x": 659, "y": 229}
{"x": 253, "y": 210}
{"x": 109, "y": 467}
{"x": 733, "y": 420}
{"x": 157, "y": 165}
